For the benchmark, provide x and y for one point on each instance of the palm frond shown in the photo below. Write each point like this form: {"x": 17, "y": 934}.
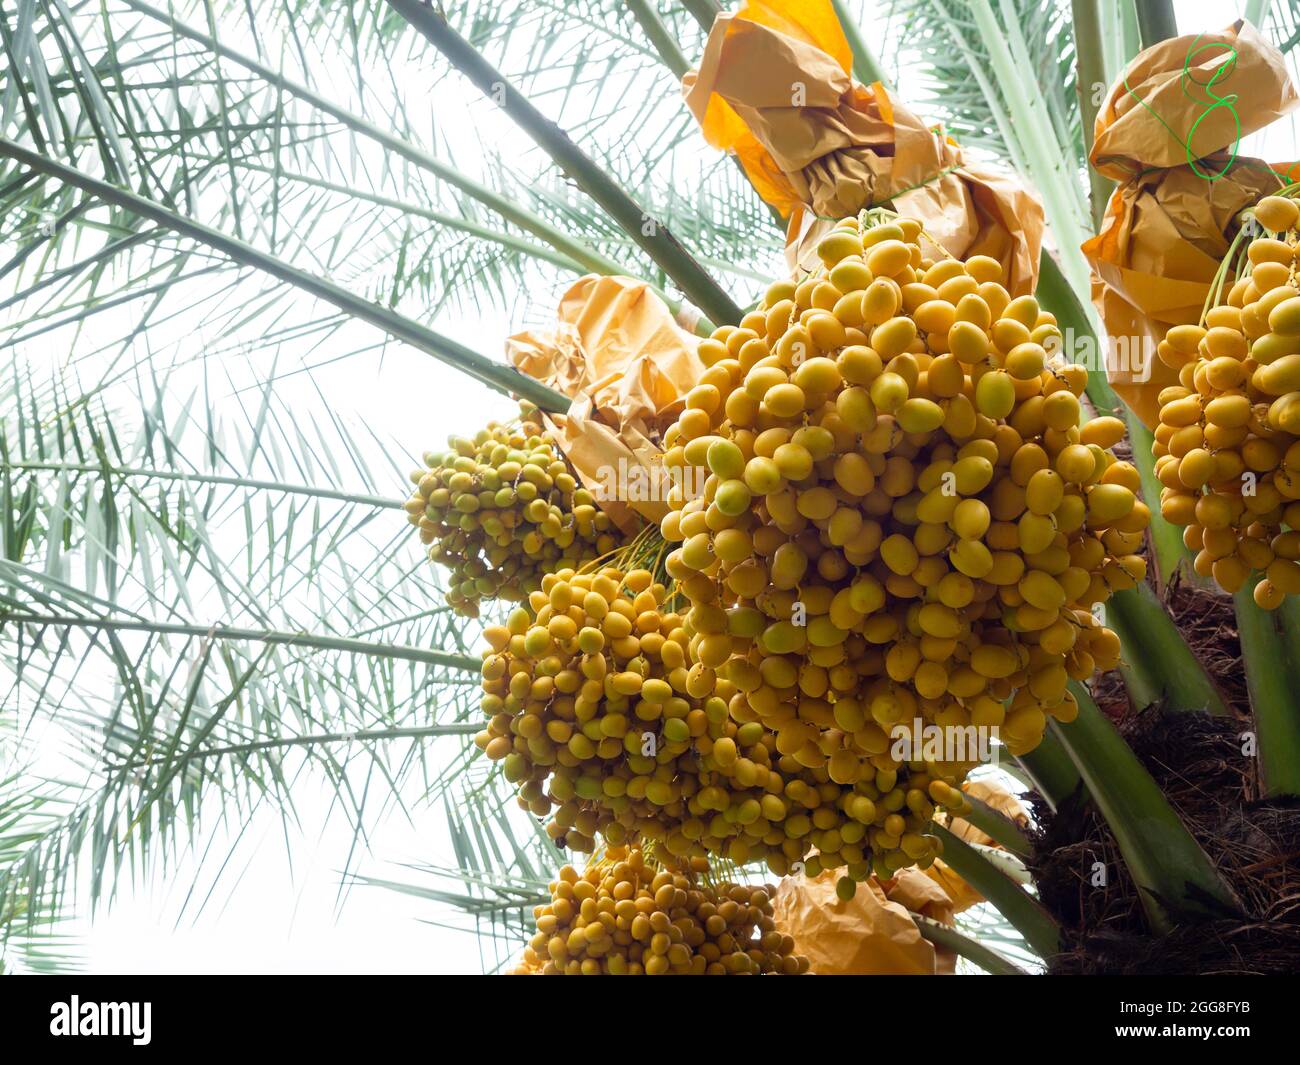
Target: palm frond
{"x": 186, "y": 617}
{"x": 1000, "y": 75}
{"x": 497, "y": 872}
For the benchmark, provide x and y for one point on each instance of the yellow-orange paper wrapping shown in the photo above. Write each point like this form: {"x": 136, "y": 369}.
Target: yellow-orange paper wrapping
{"x": 774, "y": 87}
{"x": 872, "y": 934}
{"x": 627, "y": 364}
{"x": 1167, "y": 227}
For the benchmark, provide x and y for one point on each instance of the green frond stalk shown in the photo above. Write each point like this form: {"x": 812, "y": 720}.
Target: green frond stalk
{"x": 448, "y": 221}
{"x": 304, "y": 640}
{"x": 1290, "y": 611}
{"x": 1053, "y": 774}
{"x": 1170, "y": 555}
{"x": 1119, "y": 35}
{"x": 1156, "y": 21}
{"x": 1157, "y": 634}
{"x": 1136, "y": 670}
{"x": 663, "y": 42}
{"x": 1057, "y": 295}
{"x": 19, "y": 464}
{"x": 1090, "y": 73}
{"x": 1026, "y": 914}
{"x": 666, "y": 47}
{"x": 494, "y": 374}
{"x": 372, "y": 735}
{"x": 866, "y": 67}
{"x": 970, "y": 949}
{"x": 651, "y": 235}
{"x": 1044, "y": 156}
{"x": 703, "y": 11}
{"x": 1151, "y": 638}
{"x": 997, "y": 825}
{"x": 1175, "y": 878}
{"x": 1257, "y": 12}
{"x": 1272, "y": 666}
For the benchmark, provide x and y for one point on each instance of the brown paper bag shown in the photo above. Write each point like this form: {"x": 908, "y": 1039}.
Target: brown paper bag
{"x": 962, "y": 895}
{"x": 1167, "y": 227}
{"x": 1161, "y": 113}
{"x": 627, "y": 364}
{"x": 1159, "y": 248}
{"x": 867, "y": 936}
{"x": 923, "y": 895}
{"x": 774, "y": 87}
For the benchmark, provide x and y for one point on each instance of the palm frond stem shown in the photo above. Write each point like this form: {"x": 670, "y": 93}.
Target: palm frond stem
{"x": 703, "y": 11}
{"x": 1156, "y": 21}
{"x": 1026, "y": 914}
{"x": 20, "y": 464}
{"x": 1051, "y": 771}
{"x": 970, "y": 949}
{"x": 494, "y": 374}
{"x": 370, "y": 735}
{"x": 553, "y": 236}
{"x": 1175, "y": 878}
{"x": 999, "y": 826}
{"x": 1152, "y": 638}
{"x": 1090, "y": 75}
{"x": 866, "y": 67}
{"x": 1271, "y": 670}
{"x": 651, "y": 234}
{"x": 305, "y": 640}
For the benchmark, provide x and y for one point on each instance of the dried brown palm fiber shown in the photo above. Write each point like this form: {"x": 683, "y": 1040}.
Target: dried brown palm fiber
{"x": 1199, "y": 764}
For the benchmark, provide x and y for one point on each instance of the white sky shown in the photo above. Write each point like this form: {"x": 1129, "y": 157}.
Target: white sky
{"x": 266, "y": 917}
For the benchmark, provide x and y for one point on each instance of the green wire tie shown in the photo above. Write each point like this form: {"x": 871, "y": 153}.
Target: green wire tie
{"x": 1229, "y": 101}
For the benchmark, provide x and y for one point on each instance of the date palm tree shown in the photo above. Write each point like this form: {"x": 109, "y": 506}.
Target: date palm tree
{"x": 218, "y": 219}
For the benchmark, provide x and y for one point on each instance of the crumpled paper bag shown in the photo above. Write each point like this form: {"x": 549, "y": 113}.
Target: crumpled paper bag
{"x": 618, "y": 352}
{"x": 911, "y": 887}
{"x": 1176, "y": 81}
{"x": 872, "y": 934}
{"x": 1167, "y": 227}
{"x": 774, "y": 87}
{"x": 961, "y": 895}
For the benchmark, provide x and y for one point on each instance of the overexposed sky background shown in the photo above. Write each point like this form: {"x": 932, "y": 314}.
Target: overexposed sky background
{"x": 278, "y": 908}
